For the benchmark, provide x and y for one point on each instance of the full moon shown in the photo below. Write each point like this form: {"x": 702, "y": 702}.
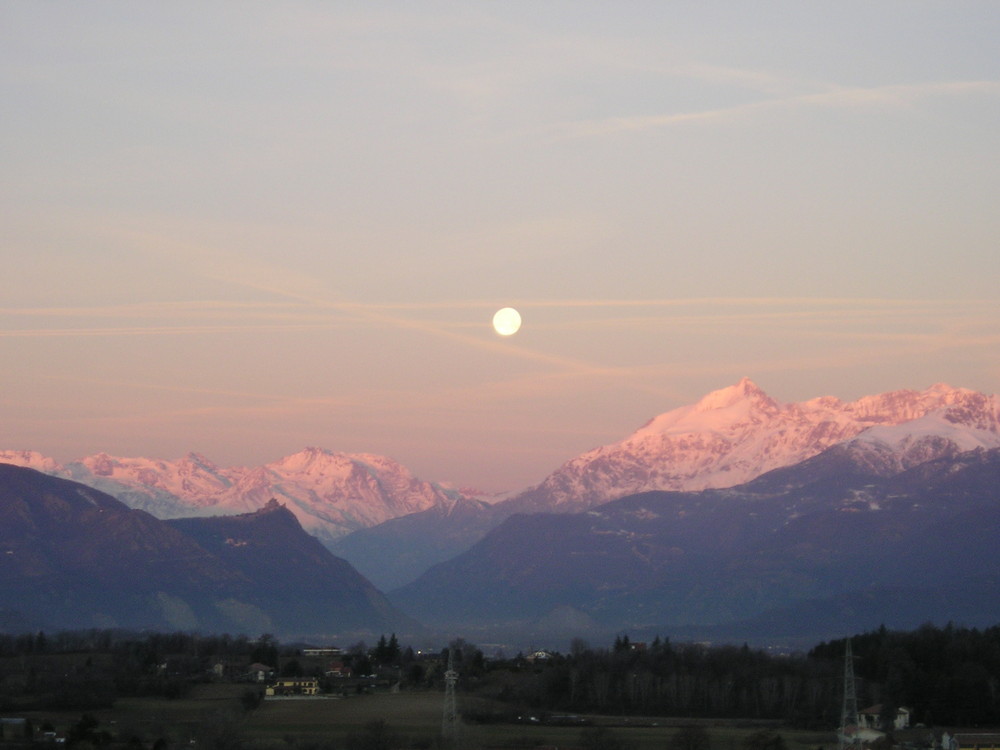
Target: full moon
{"x": 506, "y": 321}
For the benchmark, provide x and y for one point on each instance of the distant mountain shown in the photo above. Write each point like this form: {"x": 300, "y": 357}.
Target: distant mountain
{"x": 795, "y": 551}
{"x": 72, "y": 557}
{"x": 330, "y": 493}
{"x": 393, "y": 526}
{"x": 729, "y": 437}
{"x": 738, "y": 433}
{"x": 395, "y": 552}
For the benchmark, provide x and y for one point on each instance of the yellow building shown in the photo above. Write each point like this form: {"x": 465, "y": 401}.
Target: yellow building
{"x": 293, "y": 686}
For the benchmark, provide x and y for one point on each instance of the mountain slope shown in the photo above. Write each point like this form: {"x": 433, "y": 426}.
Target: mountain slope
{"x": 303, "y": 581}
{"x": 824, "y": 529}
{"x": 71, "y": 556}
{"x": 395, "y": 552}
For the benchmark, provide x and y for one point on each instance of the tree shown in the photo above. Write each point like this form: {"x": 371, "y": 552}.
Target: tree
{"x": 265, "y": 651}
{"x": 387, "y": 651}
{"x": 291, "y": 668}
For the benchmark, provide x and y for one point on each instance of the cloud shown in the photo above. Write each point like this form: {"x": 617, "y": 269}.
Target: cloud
{"x": 835, "y": 97}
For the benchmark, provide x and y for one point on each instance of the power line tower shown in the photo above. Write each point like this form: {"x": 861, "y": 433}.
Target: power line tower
{"x": 449, "y": 722}
{"x": 848, "y": 732}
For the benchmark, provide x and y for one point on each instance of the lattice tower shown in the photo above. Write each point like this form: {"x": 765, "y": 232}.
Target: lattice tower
{"x": 848, "y": 732}
{"x": 449, "y": 722}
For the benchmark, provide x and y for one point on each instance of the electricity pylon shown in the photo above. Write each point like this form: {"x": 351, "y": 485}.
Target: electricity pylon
{"x": 449, "y": 722}
{"x": 848, "y": 732}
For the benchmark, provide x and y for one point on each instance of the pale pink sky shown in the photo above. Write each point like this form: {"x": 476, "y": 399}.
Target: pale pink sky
{"x": 245, "y": 229}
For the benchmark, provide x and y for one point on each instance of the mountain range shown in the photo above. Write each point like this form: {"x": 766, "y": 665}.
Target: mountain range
{"x": 737, "y": 433}
{"x": 811, "y": 550}
{"x": 735, "y": 512}
{"x": 727, "y": 438}
{"x": 74, "y": 557}
{"x": 330, "y": 493}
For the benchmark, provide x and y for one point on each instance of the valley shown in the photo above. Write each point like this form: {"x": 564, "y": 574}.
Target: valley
{"x": 735, "y": 518}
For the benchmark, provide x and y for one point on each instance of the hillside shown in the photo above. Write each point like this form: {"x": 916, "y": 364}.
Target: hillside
{"x": 818, "y": 541}
{"x": 74, "y": 557}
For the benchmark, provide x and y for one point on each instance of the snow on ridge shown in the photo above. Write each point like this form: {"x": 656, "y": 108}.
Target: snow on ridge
{"x": 730, "y": 436}
{"x": 737, "y": 433}
{"x": 330, "y": 493}
{"x": 31, "y": 460}
{"x": 934, "y": 424}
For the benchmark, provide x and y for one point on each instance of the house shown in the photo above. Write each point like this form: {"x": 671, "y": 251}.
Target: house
{"x": 338, "y": 669}
{"x": 258, "y": 672}
{"x": 871, "y": 718}
{"x": 902, "y": 719}
{"x": 293, "y": 686}
{"x": 538, "y": 656}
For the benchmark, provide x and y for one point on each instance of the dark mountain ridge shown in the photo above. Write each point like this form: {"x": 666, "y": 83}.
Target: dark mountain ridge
{"x": 71, "y": 557}
{"x": 826, "y": 532}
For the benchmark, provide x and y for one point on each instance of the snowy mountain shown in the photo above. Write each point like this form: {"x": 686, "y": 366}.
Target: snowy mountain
{"x": 727, "y": 438}
{"x": 331, "y": 494}
{"x": 738, "y": 433}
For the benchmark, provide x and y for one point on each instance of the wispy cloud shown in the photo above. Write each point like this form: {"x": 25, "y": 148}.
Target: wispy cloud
{"x": 311, "y": 313}
{"x": 835, "y": 97}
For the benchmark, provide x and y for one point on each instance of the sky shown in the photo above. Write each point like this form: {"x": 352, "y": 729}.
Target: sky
{"x": 244, "y": 228}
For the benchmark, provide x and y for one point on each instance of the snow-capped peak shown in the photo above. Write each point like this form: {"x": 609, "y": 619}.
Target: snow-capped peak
{"x": 330, "y": 493}
{"x": 734, "y": 434}
{"x": 743, "y": 392}
{"x": 723, "y": 409}
{"x": 31, "y": 460}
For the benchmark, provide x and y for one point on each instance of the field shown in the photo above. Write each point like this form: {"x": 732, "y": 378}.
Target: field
{"x": 214, "y": 717}
{"x": 417, "y": 717}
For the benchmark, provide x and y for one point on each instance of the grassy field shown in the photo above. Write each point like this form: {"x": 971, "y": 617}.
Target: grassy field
{"x": 411, "y": 714}
{"x": 178, "y": 720}
{"x": 417, "y": 717}
{"x": 214, "y": 712}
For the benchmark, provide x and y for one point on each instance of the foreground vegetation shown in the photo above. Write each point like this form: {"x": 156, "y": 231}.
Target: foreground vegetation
{"x": 103, "y": 689}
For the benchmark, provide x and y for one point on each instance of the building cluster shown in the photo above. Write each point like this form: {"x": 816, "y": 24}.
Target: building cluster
{"x": 875, "y": 727}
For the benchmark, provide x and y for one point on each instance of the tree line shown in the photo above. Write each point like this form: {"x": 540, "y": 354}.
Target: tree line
{"x": 946, "y": 676}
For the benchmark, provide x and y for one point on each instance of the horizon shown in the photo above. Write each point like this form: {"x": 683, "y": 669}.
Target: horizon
{"x": 239, "y": 231}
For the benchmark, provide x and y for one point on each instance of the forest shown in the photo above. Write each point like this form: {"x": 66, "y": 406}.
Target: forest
{"x": 946, "y": 676}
